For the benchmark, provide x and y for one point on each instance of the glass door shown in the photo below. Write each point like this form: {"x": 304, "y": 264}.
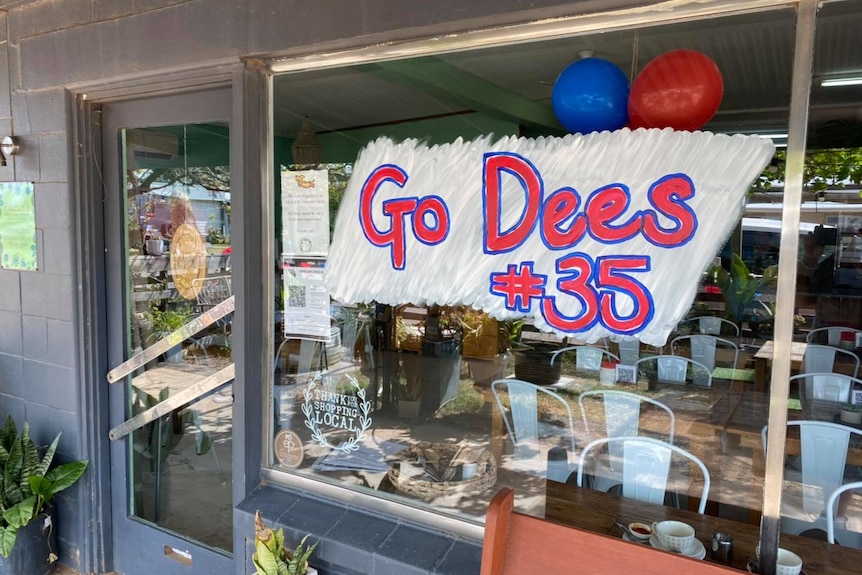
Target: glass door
{"x": 170, "y": 301}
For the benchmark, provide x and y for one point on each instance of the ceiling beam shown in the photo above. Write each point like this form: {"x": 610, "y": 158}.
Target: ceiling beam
{"x": 438, "y": 77}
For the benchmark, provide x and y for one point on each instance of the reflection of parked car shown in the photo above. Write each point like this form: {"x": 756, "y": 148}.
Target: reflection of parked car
{"x": 761, "y": 238}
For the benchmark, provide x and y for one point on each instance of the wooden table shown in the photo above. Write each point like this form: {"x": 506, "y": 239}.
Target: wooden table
{"x": 595, "y": 511}
{"x": 763, "y": 360}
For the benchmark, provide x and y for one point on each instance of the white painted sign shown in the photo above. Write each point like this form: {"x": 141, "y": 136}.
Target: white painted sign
{"x": 329, "y": 408}
{"x": 305, "y": 212}
{"x": 591, "y": 236}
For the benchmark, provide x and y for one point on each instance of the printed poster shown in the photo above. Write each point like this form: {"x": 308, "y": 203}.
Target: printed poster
{"x": 17, "y": 226}
{"x": 306, "y": 300}
{"x": 305, "y": 212}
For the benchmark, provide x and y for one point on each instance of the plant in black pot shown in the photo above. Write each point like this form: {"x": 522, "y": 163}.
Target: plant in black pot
{"x": 28, "y": 484}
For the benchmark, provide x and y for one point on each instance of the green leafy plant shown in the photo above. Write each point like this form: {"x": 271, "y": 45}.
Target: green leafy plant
{"x": 170, "y": 320}
{"x": 270, "y": 556}
{"x": 740, "y": 289}
{"x": 28, "y": 483}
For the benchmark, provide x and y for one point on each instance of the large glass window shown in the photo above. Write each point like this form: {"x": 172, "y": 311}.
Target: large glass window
{"x": 441, "y": 405}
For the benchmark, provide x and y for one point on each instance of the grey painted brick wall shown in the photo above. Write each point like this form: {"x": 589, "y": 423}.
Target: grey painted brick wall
{"x": 45, "y": 45}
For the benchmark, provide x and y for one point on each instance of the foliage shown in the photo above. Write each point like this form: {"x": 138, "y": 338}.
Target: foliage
{"x": 740, "y": 289}
{"x": 28, "y": 483}
{"x": 822, "y": 170}
{"x": 469, "y": 323}
{"x": 271, "y": 558}
{"x": 169, "y": 320}
{"x": 214, "y": 236}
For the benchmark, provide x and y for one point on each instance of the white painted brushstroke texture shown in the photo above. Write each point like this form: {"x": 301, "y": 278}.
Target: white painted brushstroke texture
{"x": 457, "y": 271}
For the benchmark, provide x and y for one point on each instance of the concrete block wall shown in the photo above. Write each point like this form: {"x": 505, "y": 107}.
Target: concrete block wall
{"x": 47, "y": 45}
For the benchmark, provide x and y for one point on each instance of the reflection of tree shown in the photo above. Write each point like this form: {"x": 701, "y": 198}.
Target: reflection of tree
{"x": 823, "y": 170}
{"x": 171, "y": 182}
{"x": 211, "y": 178}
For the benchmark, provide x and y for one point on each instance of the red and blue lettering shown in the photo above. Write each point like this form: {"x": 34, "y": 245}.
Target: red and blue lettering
{"x": 668, "y": 195}
{"x": 398, "y": 210}
{"x": 497, "y": 241}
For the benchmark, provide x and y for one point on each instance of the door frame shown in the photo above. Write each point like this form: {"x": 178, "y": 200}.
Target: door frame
{"x": 248, "y": 119}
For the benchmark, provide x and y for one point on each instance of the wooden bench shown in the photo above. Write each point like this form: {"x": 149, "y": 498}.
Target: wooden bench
{"x": 516, "y": 544}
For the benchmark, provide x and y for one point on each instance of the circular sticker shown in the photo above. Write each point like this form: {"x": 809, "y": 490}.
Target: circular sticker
{"x": 188, "y": 260}
{"x": 288, "y": 448}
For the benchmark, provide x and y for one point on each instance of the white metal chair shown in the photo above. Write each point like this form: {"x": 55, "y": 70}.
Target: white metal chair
{"x": 622, "y": 411}
{"x": 587, "y": 357}
{"x": 821, "y": 359}
{"x": 848, "y": 538}
{"x": 712, "y": 325}
{"x": 523, "y": 427}
{"x": 831, "y": 335}
{"x": 646, "y": 467}
{"x": 823, "y": 461}
{"x": 674, "y": 369}
{"x": 629, "y": 350}
{"x": 704, "y": 348}
{"x": 821, "y": 394}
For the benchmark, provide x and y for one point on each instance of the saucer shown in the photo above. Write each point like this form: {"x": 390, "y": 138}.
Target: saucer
{"x": 696, "y": 550}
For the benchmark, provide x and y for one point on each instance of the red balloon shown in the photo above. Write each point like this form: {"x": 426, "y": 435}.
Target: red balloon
{"x": 681, "y": 89}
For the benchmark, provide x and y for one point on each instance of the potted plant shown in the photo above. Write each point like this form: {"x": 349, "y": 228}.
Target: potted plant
{"x": 167, "y": 321}
{"x": 740, "y": 290}
{"x": 28, "y": 487}
{"x": 271, "y": 558}
{"x": 851, "y": 413}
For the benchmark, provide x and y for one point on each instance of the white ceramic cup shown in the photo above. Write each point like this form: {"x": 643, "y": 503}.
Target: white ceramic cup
{"x": 468, "y": 470}
{"x": 674, "y": 535}
{"x": 789, "y": 563}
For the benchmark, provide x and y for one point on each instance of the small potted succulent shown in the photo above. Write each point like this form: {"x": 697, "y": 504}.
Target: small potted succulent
{"x": 270, "y": 556}
{"x": 851, "y": 413}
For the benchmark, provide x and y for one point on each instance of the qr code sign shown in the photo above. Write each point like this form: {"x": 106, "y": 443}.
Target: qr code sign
{"x": 296, "y": 296}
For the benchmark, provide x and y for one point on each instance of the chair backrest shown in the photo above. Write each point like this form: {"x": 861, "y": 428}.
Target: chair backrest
{"x": 821, "y": 359}
{"x": 831, "y": 507}
{"x": 710, "y": 325}
{"x": 830, "y": 335}
{"x": 675, "y": 369}
{"x": 587, "y": 357}
{"x": 629, "y": 350}
{"x": 646, "y": 466}
{"x": 702, "y": 348}
{"x": 522, "y": 419}
{"x": 622, "y": 411}
{"x": 824, "y": 455}
{"x": 515, "y": 543}
{"x": 821, "y": 394}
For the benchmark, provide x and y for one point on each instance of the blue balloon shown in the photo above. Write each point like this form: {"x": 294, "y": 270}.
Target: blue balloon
{"x": 591, "y": 95}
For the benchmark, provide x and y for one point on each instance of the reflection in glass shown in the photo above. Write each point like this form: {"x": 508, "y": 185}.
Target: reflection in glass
{"x": 177, "y": 183}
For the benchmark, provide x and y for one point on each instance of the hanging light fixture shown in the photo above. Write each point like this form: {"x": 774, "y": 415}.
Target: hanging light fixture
{"x": 306, "y": 149}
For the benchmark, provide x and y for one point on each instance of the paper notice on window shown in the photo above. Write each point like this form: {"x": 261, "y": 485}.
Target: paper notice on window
{"x": 306, "y": 299}
{"x": 17, "y": 226}
{"x": 305, "y": 212}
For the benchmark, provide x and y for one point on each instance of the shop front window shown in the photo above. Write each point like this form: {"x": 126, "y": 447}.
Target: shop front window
{"x": 435, "y": 398}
